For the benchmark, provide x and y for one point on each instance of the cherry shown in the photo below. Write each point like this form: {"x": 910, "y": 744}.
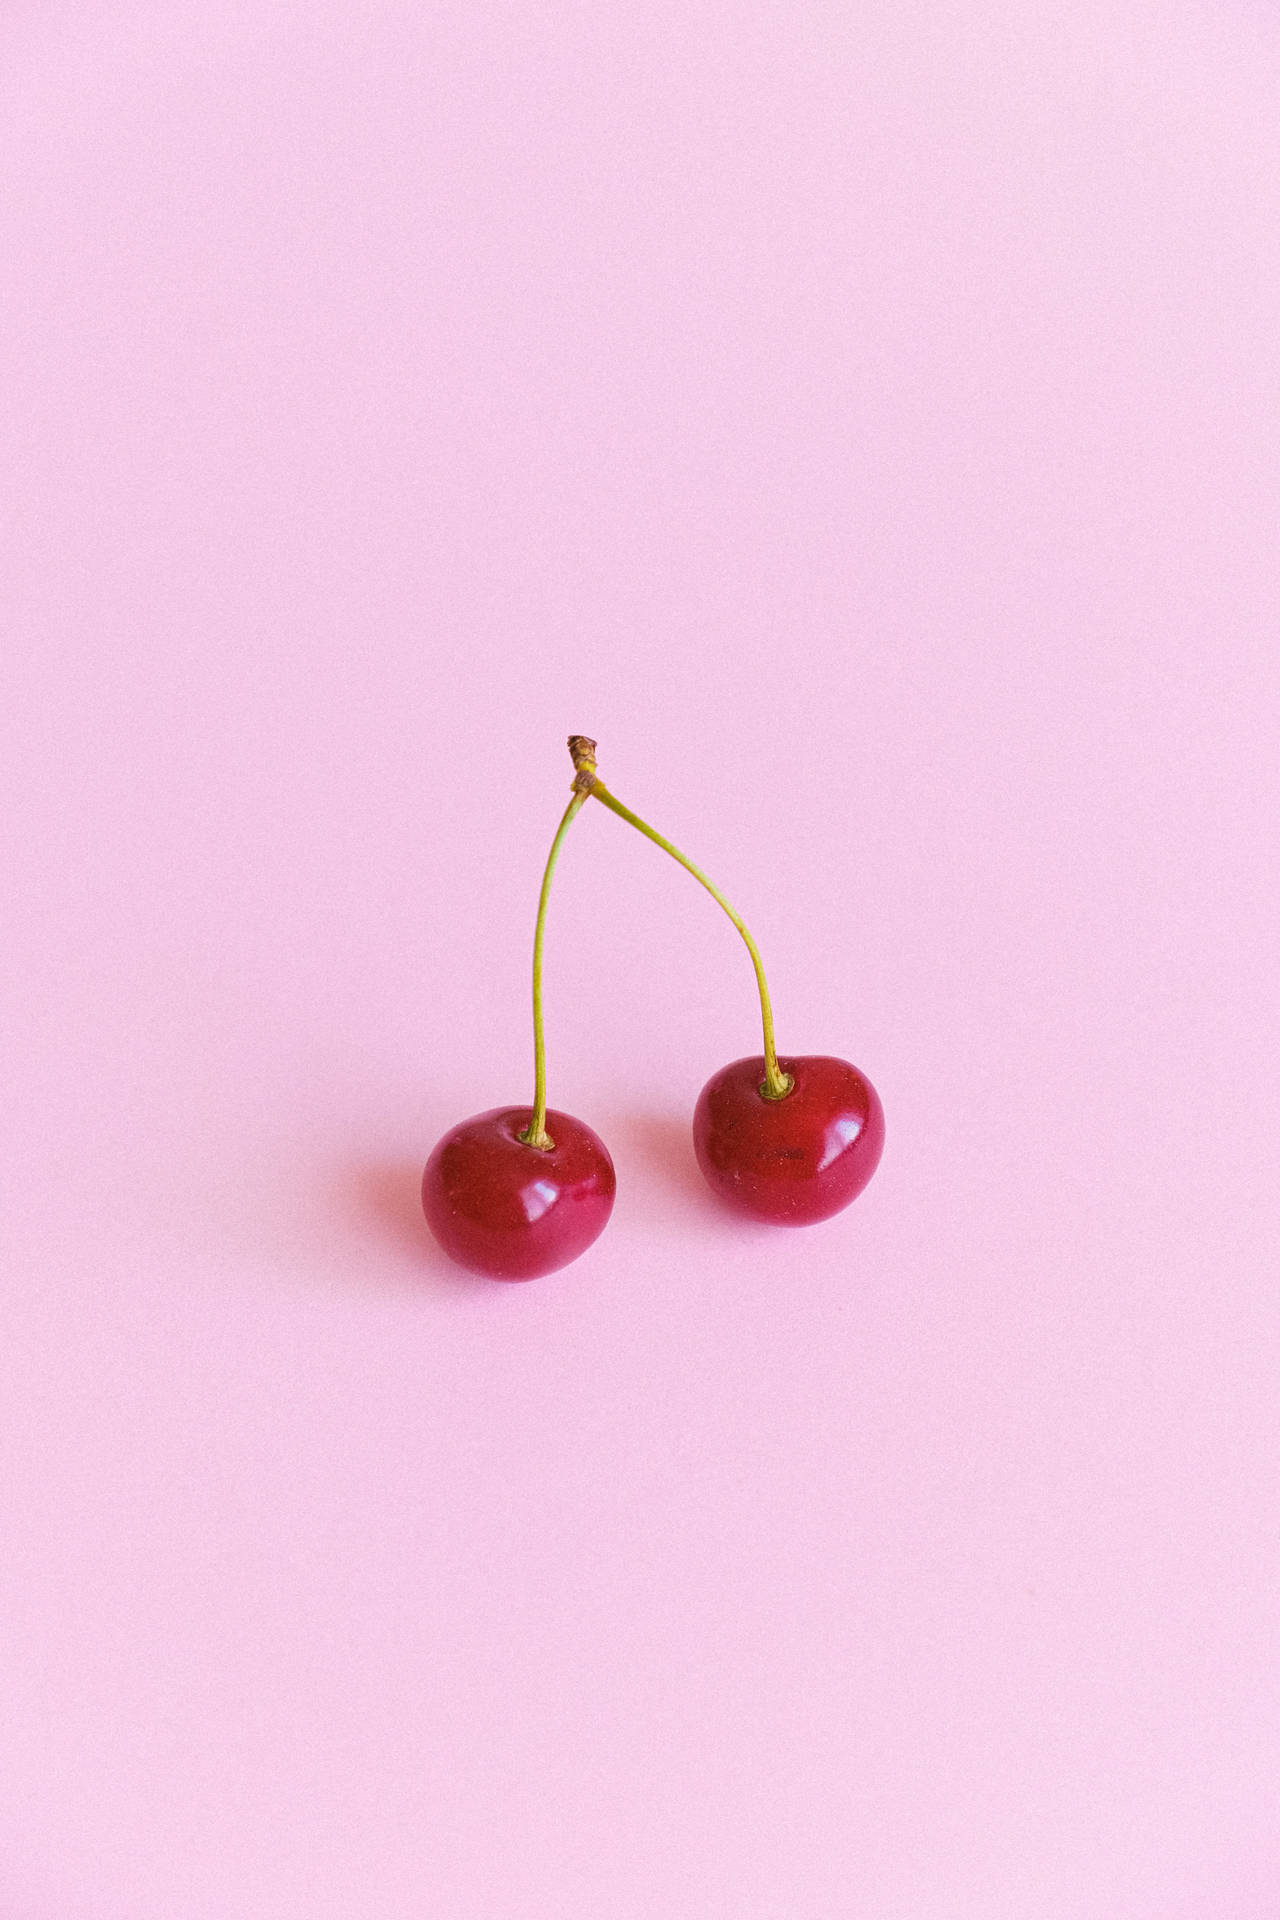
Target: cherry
{"x": 794, "y": 1159}
{"x": 790, "y": 1140}
{"x": 503, "y": 1207}
{"x": 505, "y": 1193}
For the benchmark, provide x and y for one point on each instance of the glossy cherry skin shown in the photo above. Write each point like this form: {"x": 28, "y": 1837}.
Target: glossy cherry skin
{"x": 502, "y": 1207}
{"x": 793, "y": 1160}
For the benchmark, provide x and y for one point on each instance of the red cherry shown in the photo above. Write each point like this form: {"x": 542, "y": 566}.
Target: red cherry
{"x": 502, "y": 1207}
{"x": 793, "y": 1160}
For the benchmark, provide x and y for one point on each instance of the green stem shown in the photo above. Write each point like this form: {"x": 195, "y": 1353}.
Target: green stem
{"x": 535, "y": 1134}
{"x": 777, "y": 1084}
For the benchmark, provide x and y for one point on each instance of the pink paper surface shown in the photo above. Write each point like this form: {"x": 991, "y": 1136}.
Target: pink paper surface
{"x": 862, "y": 420}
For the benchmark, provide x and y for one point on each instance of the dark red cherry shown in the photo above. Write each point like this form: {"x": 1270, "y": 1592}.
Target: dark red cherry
{"x": 502, "y": 1207}
{"x": 793, "y": 1160}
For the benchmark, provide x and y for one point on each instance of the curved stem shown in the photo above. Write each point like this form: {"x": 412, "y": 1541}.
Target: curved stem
{"x": 777, "y": 1084}
{"x": 535, "y": 1134}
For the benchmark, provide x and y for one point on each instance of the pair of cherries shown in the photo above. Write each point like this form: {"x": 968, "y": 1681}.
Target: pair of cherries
{"x": 520, "y": 1191}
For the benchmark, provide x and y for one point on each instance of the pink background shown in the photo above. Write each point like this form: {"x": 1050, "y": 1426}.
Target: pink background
{"x": 863, "y": 420}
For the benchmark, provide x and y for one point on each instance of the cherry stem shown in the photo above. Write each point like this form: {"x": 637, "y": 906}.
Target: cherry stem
{"x": 535, "y": 1134}
{"x": 777, "y": 1084}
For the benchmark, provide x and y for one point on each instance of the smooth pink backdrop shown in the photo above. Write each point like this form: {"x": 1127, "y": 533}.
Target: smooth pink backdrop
{"x": 864, "y": 421}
